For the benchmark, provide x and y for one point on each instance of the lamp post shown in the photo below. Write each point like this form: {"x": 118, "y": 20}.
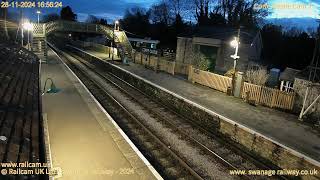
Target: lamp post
{"x": 38, "y": 12}
{"x": 113, "y": 42}
{"x": 235, "y": 43}
{"x": 28, "y": 26}
{"x": 22, "y": 36}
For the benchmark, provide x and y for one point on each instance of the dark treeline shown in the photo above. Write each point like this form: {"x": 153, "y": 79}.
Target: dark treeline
{"x": 293, "y": 48}
{"x": 168, "y": 19}
{"x": 67, "y": 14}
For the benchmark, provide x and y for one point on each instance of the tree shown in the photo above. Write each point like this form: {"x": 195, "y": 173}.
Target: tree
{"x": 92, "y": 19}
{"x": 103, "y": 22}
{"x": 202, "y": 11}
{"x": 67, "y": 14}
{"x": 136, "y": 20}
{"x": 178, "y": 24}
{"x": 294, "y": 31}
{"x": 216, "y": 18}
{"x": 50, "y": 17}
{"x": 177, "y": 7}
{"x": 312, "y": 32}
{"x": 318, "y": 29}
{"x": 244, "y": 13}
{"x": 286, "y": 49}
{"x": 160, "y": 14}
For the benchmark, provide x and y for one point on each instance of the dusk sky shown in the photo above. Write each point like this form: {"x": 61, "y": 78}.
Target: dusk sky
{"x": 115, "y": 9}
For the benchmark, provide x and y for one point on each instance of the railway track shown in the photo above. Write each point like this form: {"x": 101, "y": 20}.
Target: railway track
{"x": 164, "y": 148}
{"x": 169, "y": 165}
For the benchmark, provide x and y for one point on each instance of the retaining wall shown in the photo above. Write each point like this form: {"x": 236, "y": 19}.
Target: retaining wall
{"x": 258, "y": 145}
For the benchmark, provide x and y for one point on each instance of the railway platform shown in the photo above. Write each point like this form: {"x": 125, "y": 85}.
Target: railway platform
{"x": 82, "y": 140}
{"x": 277, "y": 125}
{"x": 104, "y": 56}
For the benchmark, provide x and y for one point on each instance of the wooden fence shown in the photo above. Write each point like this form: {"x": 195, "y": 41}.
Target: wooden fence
{"x": 251, "y": 90}
{"x": 215, "y": 81}
{"x": 268, "y": 96}
{"x": 181, "y": 68}
{"x": 154, "y": 62}
{"x": 261, "y": 95}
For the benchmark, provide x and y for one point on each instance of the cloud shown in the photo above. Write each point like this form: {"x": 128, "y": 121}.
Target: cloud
{"x": 115, "y": 9}
{"x": 108, "y": 9}
{"x": 108, "y": 16}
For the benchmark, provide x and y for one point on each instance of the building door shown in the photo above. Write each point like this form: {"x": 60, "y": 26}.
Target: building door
{"x": 210, "y": 52}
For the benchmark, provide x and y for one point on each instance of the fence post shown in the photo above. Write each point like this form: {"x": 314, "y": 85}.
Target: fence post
{"x": 134, "y": 56}
{"x": 157, "y": 62}
{"x": 238, "y": 84}
{"x": 141, "y": 62}
{"x": 190, "y": 74}
{"x": 173, "y": 67}
{"x": 292, "y": 98}
{"x": 149, "y": 58}
{"x": 259, "y": 95}
{"x": 274, "y": 96}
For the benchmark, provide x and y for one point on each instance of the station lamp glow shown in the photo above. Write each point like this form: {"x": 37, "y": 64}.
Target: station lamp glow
{"x": 38, "y": 12}
{"x": 116, "y": 25}
{"x": 27, "y": 26}
{"x": 234, "y": 43}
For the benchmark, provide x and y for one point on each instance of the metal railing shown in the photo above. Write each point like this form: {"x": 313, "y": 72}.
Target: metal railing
{"x": 42, "y": 30}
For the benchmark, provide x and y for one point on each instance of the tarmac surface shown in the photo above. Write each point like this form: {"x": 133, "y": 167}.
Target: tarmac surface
{"x": 84, "y": 142}
{"x": 282, "y": 127}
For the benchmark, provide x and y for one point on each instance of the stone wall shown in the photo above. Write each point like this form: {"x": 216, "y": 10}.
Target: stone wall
{"x": 184, "y": 50}
{"x": 263, "y": 148}
{"x": 258, "y": 145}
{"x": 186, "y": 46}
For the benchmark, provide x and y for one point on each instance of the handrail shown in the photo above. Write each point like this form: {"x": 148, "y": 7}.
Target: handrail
{"x": 62, "y": 25}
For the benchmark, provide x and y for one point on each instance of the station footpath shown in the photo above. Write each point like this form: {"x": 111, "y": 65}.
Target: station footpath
{"x": 277, "y": 125}
{"x": 83, "y": 142}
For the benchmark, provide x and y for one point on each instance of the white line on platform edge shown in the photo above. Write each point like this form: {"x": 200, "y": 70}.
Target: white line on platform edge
{"x": 47, "y": 142}
{"x": 136, "y": 150}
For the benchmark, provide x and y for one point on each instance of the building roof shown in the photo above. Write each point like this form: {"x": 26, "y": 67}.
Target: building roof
{"x": 223, "y": 33}
{"x": 20, "y": 108}
{"x": 289, "y": 74}
{"x": 144, "y": 40}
